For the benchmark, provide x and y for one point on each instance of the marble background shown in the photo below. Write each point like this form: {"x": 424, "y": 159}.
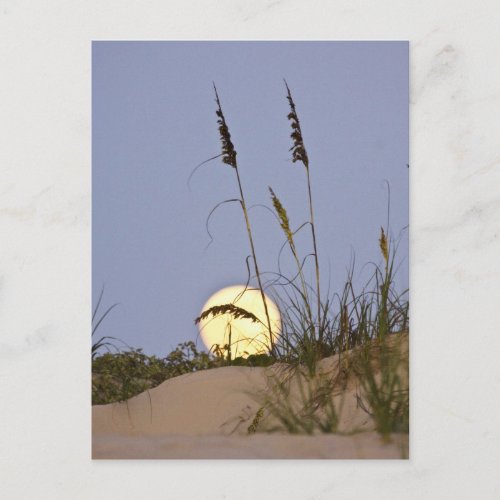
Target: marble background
{"x": 45, "y": 203}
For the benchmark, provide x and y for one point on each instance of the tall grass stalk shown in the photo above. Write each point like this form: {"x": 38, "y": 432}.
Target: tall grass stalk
{"x": 229, "y": 157}
{"x": 299, "y": 153}
{"x": 285, "y": 226}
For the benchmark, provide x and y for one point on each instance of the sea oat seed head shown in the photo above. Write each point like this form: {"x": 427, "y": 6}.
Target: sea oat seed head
{"x": 235, "y": 311}
{"x": 228, "y": 151}
{"x": 383, "y": 245}
{"x": 283, "y": 216}
{"x": 298, "y": 149}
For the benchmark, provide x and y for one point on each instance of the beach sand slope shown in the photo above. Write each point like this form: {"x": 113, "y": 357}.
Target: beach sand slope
{"x": 207, "y": 415}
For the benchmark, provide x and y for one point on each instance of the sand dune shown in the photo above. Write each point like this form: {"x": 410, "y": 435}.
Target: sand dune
{"x": 207, "y": 415}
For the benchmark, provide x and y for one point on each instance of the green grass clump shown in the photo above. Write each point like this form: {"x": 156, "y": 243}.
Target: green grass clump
{"x": 301, "y": 403}
{"x": 382, "y": 374}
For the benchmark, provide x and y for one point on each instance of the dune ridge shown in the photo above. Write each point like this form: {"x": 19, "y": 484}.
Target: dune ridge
{"x": 207, "y": 414}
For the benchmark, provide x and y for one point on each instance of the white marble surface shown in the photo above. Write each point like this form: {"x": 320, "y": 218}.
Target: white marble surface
{"x": 45, "y": 249}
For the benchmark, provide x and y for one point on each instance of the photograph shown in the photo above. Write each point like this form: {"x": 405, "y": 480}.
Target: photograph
{"x": 250, "y": 250}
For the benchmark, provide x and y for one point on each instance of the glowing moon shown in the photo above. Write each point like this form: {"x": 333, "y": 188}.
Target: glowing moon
{"x": 247, "y": 337}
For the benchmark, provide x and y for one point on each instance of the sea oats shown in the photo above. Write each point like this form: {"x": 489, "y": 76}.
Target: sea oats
{"x": 235, "y": 311}
{"x": 229, "y": 157}
{"x": 299, "y": 153}
{"x": 283, "y": 217}
{"x": 384, "y": 248}
{"x": 298, "y": 149}
{"x": 228, "y": 151}
{"x": 252, "y": 428}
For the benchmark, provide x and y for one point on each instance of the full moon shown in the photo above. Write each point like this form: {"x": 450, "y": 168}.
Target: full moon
{"x": 243, "y": 335}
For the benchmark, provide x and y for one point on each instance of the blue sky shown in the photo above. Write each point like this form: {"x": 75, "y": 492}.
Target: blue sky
{"x": 153, "y": 121}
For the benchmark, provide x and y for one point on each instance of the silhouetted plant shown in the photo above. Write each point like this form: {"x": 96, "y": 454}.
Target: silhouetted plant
{"x": 229, "y": 157}
{"x": 299, "y": 153}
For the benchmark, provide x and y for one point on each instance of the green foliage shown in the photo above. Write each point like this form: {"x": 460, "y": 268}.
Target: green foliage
{"x": 187, "y": 359}
{"x": 122, "y": 375}
{"x": 119, "y": 376}
{"x": 254, "y": 360}
{"x": 382, "y": 372}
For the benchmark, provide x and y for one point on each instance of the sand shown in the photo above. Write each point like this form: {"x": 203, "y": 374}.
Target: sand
{"x": 267, "y": 446}
{"x": 207, "y": 415}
